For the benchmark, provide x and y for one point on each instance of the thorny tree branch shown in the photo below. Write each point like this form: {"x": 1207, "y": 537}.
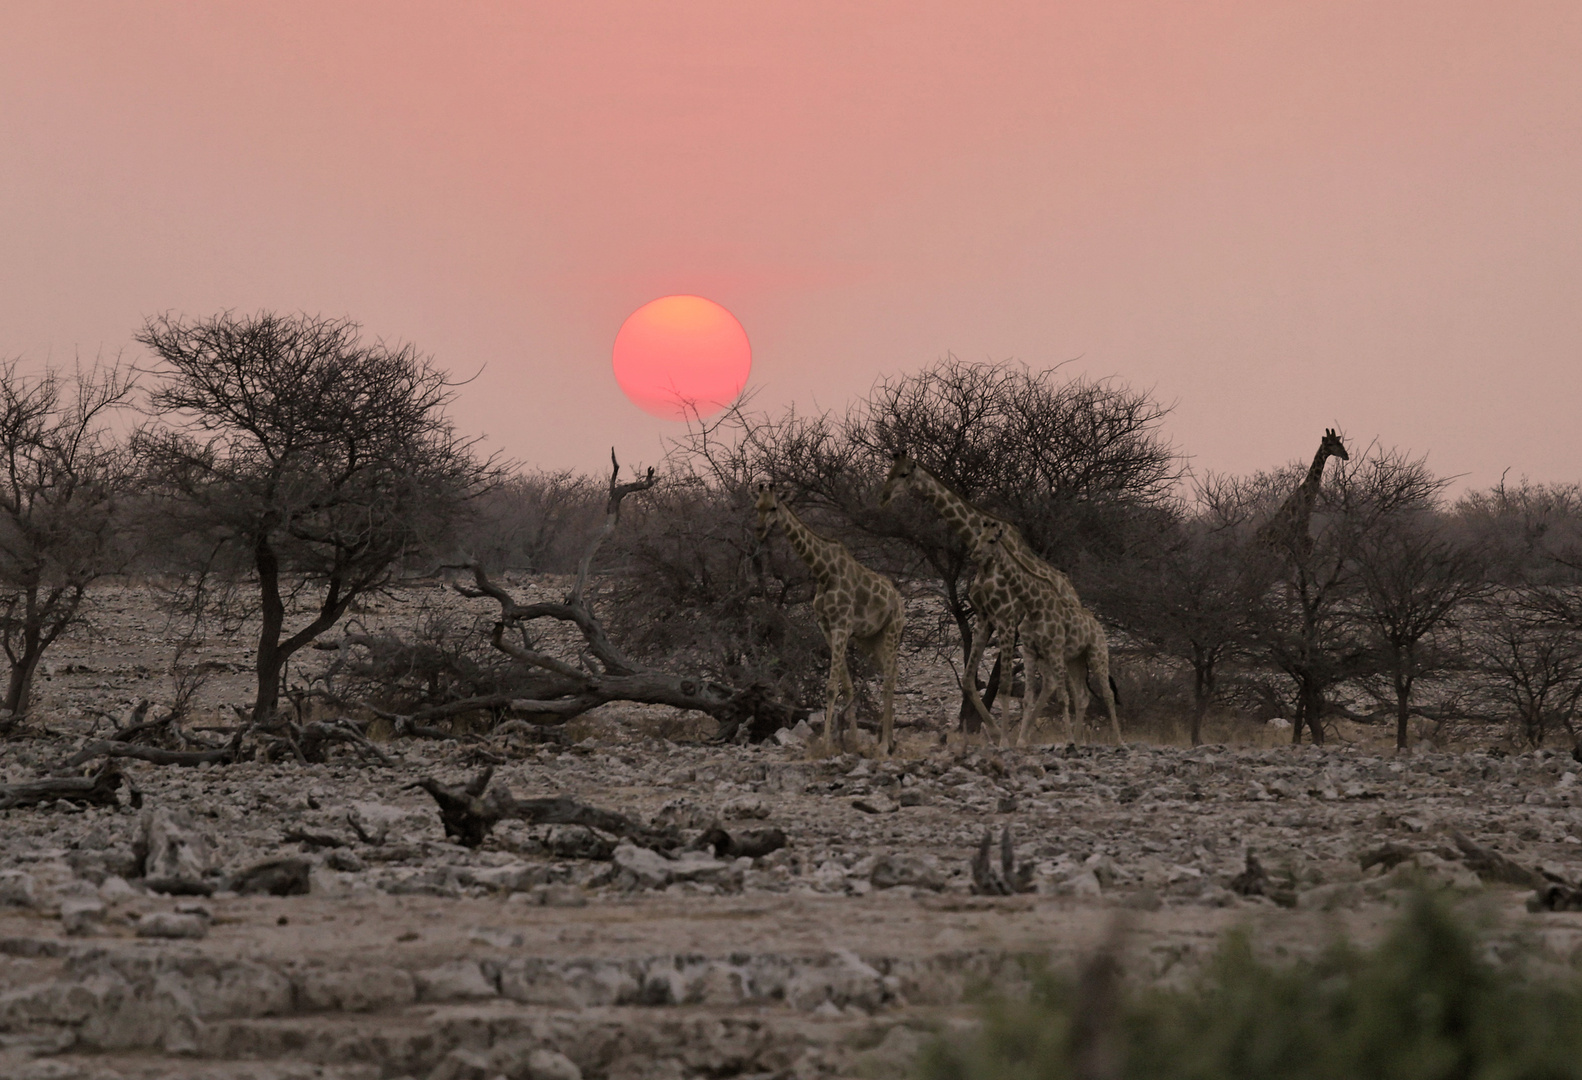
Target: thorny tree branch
{"x": 612, "y": 517}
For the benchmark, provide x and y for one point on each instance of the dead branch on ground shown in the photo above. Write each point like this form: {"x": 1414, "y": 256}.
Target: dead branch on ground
{"x": 469, "y": 811}
{"x": 96, "y": 790}
{"x": 1490, "y": 865}
{"x": 153, "y": 754}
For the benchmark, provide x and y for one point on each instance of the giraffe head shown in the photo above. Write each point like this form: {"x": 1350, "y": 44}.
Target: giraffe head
{"x": 1332, "y": 446}
{"x": 902, "y": 470}
{"x": 987, "y": 546}
{"x": 767, "y": 506}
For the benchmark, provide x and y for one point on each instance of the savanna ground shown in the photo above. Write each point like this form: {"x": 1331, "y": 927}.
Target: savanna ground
{"x": 543, "y": 953}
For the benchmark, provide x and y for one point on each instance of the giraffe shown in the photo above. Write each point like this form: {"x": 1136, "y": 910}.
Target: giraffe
{"x": 1088, "y": 653}
{"x": 1287, "y": 529}
{"x": 852, "y": 604}
{"x": 990, "y": 596}
{"x": 1067, "y": 642}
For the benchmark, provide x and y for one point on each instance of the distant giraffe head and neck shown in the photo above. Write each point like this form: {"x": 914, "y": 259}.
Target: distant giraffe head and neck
{"x": 1291, "y": 522}
{"x": 815, "y": 550}
{"x": 1331, "y": 446}
{"x": 966, "y": 520}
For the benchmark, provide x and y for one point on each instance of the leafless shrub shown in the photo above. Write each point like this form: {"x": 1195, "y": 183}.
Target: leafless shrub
{"x": 62, "y": 476}
{"x": 445, "y": 657}
{"x": 694, "y": 585}
{"x": 536, "y": 522}
{"x": 1531, "y": 659}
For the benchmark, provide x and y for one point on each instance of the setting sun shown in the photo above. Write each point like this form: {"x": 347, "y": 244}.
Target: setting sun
{"x": 680, "y": 356}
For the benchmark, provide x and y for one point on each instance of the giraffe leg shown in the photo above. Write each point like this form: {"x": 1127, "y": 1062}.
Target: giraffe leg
{"x": 1076, "y": 675}
{"x": 1048, "y": 685}
{"x": 889, "y": 660}
{"x": 1032, "y": 692}
{"x": 1099, "y": 664}
{"x": 1071, "y": 715}
{"x": 980, "y": 644}
{"x": 1057, "y": 686}
{"x": 848, "y": 711}
{"x": 838, "y": 681}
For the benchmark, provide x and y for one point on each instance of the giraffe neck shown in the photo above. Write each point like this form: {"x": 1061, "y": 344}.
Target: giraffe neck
{"x": 1314, "y": 479}
{"x": 957, "y": 512}
{"x": 1017, "y": 573}
{"x": 810, "y": 547}
{"x": 968, "y": 522}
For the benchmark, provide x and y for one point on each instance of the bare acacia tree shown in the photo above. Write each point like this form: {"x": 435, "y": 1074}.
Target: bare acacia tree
{"x": 1415, "y": 579}
{"x": 309, "y": 461}
{"x": 1530, "y": 653}
{"x": 1532, "y": 533}
{"x": 61, "y": 475}
{"x": 1307, "y": 624}
{"x": 1527, "y": 633}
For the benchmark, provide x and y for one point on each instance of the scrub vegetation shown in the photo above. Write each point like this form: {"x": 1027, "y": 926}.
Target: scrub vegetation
{"x": 288, "y": 472}
{"x": 1426, "y": 1003}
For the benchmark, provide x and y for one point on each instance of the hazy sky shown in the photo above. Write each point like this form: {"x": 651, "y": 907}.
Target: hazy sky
{"x": 1280, "y": 215}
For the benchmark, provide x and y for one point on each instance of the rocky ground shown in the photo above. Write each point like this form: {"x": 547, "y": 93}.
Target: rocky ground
{"x": 554, "y": 951}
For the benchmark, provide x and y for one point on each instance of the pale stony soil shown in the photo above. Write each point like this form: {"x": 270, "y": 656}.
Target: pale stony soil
{"x": 412, "y": 956}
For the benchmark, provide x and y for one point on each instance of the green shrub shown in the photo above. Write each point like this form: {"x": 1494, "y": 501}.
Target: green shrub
{"x": 1425, "y": 1004}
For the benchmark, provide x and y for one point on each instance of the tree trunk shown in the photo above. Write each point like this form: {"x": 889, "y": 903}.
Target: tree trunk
{"x": 971, "y": 722}
{"x": 269, "y": 660}
{"x": 272, "y": 652}
{"x": 1403, "y": 709}
{"x": 1310, "y": 711}
{"x": 1202, "y": 694}
{"x": 19, "y": 689}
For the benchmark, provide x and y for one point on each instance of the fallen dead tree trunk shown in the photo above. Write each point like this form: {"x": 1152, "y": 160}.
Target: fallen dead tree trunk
{"x": 153, "y": 754}
{"x": 578, "y": 691}
{"x": 96, "y": 790}
{"x": 135, "y": 734}
{"x": 569, "y": 691}
{"x": 469, "y": 811}
{"x": 314, "y": 735}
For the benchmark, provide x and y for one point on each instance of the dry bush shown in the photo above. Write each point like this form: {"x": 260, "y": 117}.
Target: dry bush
{"x": 537, "y": 522}
{"x": 1155, "y": 700}
{"x": 693, "y": 587}
{"x": 445, "y": 658}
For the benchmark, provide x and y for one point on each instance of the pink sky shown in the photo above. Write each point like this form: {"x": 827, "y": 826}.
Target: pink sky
{"x": 1280, "y": 215}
